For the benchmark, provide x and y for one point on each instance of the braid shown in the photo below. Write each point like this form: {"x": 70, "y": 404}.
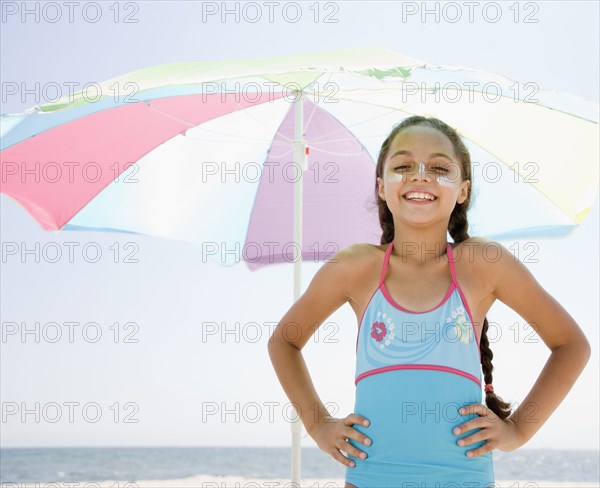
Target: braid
{"x": 457, "y": 227}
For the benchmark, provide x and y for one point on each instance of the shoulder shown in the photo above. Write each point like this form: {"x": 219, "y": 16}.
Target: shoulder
{"x": 355, "y": 261}
{"x": 477, "y": 248}
{"x": 360, "y": 253}
{"x": 487, "y": 261}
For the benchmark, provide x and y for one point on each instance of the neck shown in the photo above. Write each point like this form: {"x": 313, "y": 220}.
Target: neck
{"x": 419, "y": 247}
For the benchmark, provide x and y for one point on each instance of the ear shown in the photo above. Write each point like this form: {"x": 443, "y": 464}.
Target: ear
{"x": 464, "y": 191}
{"x": 380, "y": 188}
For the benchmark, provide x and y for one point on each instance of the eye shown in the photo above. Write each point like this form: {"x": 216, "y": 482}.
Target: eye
{"x": 441, "y": 169}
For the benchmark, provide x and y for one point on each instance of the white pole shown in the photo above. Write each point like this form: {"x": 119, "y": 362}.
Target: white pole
{"x": 299, "y": 145}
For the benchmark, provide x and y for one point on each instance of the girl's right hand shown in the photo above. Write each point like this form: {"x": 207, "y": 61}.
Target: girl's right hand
{"x": 332, "y": 433}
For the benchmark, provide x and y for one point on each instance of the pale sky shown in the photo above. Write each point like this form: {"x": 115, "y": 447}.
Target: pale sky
{"x": 177, "y": 379}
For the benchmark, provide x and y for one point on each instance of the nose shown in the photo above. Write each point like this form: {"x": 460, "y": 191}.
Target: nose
{"x": 419, "y": 173}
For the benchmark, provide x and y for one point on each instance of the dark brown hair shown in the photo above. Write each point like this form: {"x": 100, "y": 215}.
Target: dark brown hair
{"x": 457, "y": 227}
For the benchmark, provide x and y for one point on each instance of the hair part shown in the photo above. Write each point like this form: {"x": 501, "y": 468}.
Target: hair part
{"x": 457, "y": 227}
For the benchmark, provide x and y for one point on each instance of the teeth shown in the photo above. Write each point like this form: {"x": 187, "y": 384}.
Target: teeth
{"x": 413, "y": 195}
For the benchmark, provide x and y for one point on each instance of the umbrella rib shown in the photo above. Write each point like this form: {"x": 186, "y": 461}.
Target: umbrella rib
{"x": 172, "y": 117}
{"x": 369, "y": 90}
{"x": 392, "y": 109}
{"x": 251, "y": 139}
{"x": 192, "y": 126}
{"x": 339, "y": 153}
{"x": 246, "y": 112}
{"x": 289, "y": 151}
{"x": 287, "y": 140}
{"x": 355, "y": 125}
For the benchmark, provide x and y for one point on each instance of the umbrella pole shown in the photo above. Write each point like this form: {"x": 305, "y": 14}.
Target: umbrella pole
{"x": 299, "y": 145}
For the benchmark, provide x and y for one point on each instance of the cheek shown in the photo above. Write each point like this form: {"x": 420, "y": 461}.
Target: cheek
{"x": 393, "y": 178}
{"x": 446, "y": 181}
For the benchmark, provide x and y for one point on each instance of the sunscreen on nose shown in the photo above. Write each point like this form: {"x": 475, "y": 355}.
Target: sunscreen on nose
{"x": 394, "y": 177}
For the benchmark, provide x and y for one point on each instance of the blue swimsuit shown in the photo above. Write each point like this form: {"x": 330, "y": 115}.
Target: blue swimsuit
{"x": 414, "y": 371}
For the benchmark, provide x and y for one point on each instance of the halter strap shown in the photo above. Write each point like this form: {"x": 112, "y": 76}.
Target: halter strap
{"x": 388, "y": 252}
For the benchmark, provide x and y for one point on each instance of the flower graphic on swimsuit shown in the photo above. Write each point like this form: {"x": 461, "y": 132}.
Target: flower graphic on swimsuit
{"x": 464, "y": 330}
{"x": 378, "y": 331}
{"x": 462, "y": 326}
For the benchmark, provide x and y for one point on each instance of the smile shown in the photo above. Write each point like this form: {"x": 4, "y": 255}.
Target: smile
{"x": 419, "y": 197}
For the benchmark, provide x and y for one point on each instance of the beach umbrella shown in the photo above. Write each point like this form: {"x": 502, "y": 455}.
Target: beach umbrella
{"x": 272, "y": 160}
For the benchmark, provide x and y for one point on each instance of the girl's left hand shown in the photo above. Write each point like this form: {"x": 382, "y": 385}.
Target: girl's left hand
{"x": 498, "y": 433}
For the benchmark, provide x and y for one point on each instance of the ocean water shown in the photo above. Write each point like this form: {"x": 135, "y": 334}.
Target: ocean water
{"x": 37, "y": 465}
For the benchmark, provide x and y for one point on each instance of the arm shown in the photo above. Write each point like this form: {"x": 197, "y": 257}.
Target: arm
{"x": 515, "y": 286}
{"x": 328, "y": 290}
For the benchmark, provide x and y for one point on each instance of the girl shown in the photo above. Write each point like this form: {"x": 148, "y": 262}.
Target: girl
{"x": 421, "y": 305}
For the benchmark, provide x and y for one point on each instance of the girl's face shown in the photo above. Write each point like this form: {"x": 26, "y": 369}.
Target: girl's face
{"x": 422, "y": 159}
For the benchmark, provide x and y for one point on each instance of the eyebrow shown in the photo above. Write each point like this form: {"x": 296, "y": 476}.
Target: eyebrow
{"x": 432, "y": 155}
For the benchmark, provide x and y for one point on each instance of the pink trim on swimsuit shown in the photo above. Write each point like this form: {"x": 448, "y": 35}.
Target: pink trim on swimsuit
{"x": 417, "y": 366}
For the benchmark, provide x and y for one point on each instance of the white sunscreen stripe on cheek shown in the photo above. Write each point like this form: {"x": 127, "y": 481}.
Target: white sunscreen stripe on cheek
{"x": 394, "y": 177}
{"x": 444, "y": 180}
